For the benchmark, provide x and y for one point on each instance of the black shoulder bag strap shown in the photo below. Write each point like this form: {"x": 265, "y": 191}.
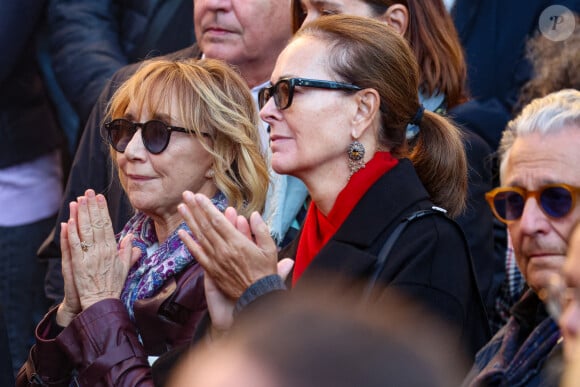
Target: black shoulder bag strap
{"x": 388, "y": 246}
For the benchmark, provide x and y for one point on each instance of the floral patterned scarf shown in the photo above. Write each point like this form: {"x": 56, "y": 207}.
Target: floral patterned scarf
{"x": 150, "y": 272}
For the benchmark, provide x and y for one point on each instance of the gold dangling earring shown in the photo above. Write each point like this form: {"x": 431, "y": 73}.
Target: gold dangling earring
{"x": 356, "y": 154}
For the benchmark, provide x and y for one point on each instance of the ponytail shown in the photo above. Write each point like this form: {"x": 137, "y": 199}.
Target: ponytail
{"x": 438, "y": 156}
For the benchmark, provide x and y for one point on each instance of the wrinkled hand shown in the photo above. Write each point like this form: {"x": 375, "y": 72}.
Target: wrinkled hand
{"x": 70, "y": 305}
{"x": 233, "y": 252}
{"x": 99, "y": 270}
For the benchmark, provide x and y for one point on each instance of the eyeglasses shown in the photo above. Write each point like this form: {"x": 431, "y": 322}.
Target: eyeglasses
{"x": 155, "y": 134}
{"x": 283, "y": 90}
{"x": 557, "y": 296}
{"x": 555, "y": 200}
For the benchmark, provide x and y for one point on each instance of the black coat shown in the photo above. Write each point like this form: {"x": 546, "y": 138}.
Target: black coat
{"x": 90, "y": 40}
{"x": 477, "y": 221}
{"x": 6, "y": 372}
{"x": 430, "y": 262}
{"x": 28, "y": 124}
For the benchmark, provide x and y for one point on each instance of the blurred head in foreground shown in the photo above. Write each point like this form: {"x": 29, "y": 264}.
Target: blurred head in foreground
{"x": 328, "y": 339}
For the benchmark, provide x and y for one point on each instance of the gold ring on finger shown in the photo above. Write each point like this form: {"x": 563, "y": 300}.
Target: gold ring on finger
{"x": 85, "y": 246}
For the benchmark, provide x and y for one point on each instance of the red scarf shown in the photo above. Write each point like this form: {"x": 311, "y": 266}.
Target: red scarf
{"x": 318, "y": 228}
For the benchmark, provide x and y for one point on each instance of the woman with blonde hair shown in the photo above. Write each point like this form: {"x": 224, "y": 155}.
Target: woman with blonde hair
{"x": 172, "y": 126}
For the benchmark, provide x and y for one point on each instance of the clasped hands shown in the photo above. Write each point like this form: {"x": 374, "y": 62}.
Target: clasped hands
{"x": 93, "y": 268}
{"x": 235, "y": 252}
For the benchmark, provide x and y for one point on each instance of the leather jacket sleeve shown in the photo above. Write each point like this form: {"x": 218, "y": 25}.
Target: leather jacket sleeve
{"x": 103, "y": 342}
{"x": 101, "y": 347}
{"x": 40, "y": 369}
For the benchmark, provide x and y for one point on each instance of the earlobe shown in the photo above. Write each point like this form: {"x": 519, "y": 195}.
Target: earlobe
{"x": 210, "y": 174}
{"x": 397, "y": 16}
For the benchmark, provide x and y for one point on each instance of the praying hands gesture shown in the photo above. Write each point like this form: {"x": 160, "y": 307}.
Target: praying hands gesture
{"x": 93, "y": 268}
{"x": 233, "y": 251}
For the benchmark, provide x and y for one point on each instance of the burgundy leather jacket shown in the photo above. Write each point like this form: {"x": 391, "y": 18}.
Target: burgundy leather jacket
{"x": 101, "y": 346}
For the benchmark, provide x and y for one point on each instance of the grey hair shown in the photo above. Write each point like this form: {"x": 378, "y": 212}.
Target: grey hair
{"x": 546, "y": 115}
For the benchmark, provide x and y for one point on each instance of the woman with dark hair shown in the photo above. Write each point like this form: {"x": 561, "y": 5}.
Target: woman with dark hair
{"x": 429, "y": 29}
{"x": 342, "y": 94}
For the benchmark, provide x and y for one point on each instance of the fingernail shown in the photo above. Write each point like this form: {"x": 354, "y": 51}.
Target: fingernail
{"x": 188, "y": 195}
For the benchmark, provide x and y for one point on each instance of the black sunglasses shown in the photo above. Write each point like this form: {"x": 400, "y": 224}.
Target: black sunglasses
{"x": 155, "y": 134}
{"x": 555, "y": 200}
{"x": 283, "y": 90}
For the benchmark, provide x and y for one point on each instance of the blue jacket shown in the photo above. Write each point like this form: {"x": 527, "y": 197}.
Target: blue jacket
{"x": 494, "y": 34}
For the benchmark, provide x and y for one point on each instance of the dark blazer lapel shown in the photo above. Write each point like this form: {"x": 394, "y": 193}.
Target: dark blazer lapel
{"x": 349, "y": 250}
{"x": 390, "y": 197}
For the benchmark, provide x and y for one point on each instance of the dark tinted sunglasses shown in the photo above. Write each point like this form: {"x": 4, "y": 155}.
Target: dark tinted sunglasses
{"x": 555, "y": 200}
{"x": 283, "y": 90}
{"x": 155, "y": 134}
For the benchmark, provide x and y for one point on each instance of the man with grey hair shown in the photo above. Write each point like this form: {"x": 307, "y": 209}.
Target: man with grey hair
{"x": 540, "y": 180}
